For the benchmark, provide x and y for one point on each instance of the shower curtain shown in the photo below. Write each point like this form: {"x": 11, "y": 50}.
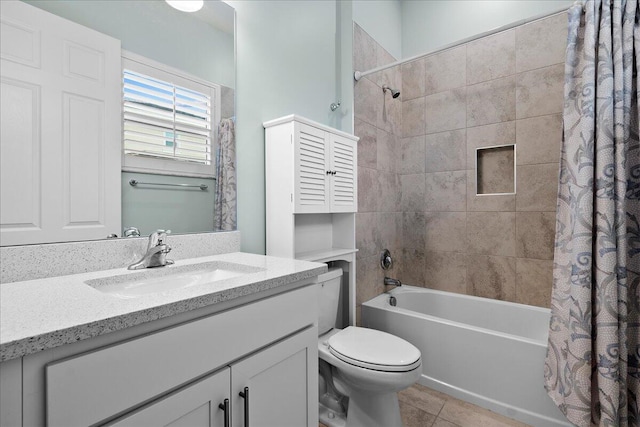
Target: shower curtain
{"x": 593, "y": 358}
{"x": 225, "y": 196}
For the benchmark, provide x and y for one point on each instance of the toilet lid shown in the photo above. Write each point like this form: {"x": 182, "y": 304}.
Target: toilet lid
{"x": 373, "y": 349}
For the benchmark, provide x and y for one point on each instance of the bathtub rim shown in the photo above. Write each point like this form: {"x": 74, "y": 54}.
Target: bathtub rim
{"x": 382, "y": 302}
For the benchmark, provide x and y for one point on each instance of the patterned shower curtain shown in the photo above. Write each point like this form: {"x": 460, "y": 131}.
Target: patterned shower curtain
{"x": 225, "y": 197}
{"x": 592, "y": 365}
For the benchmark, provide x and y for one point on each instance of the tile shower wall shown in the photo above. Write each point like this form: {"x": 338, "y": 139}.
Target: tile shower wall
{"x": 378, "y": 124}
{"x": 417, "y": 164}
{"x": 502, "y": 89}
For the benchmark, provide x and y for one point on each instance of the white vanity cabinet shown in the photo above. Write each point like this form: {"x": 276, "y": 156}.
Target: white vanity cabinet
{"x": 179, "y": 373}
{"x": 311, "y": 164}
{"x": 267, "y": 389}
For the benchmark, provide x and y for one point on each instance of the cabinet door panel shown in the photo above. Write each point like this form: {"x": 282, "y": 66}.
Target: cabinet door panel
{"x": 195, "y": 405}
{"x": 344, "y": 197}
{"x": 311, "y": 160}
{"x": 281, "y": 383}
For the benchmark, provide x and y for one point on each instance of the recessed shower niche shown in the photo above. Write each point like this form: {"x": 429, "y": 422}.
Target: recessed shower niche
{"x": 496, "y": 170}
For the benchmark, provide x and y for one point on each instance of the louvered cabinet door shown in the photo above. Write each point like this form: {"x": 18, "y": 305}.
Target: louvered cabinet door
{"x": 312, "y": 164}
{"x": 344, "y": 183}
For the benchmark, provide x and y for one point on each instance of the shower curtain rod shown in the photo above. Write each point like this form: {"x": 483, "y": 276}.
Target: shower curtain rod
{"x": 357, "y": 75}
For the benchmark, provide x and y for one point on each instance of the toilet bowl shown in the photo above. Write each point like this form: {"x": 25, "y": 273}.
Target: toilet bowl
{"x": 368, "y": 366}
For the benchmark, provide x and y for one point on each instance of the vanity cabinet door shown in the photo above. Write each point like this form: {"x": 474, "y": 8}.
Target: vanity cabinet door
{"x": 196, "y": 405}
{"x": 279, "y": 384}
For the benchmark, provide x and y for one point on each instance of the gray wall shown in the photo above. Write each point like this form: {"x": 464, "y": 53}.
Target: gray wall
{"x": 430, "y": 24}
{"x": 286, "y": 64}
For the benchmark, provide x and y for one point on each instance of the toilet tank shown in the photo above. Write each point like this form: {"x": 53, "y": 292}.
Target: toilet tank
{"x": 329, "y": 287}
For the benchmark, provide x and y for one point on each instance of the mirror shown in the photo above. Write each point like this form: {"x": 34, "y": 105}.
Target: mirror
{"x": 200, "y": 44}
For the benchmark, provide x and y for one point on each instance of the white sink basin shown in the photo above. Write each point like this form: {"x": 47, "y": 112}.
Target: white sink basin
{"x": 164, "y": 279}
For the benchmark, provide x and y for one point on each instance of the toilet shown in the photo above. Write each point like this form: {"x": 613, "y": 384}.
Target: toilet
{"x": 361, "y": 369}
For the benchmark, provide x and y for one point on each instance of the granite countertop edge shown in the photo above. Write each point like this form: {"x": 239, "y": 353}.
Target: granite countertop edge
{"x": 51, "y": 339}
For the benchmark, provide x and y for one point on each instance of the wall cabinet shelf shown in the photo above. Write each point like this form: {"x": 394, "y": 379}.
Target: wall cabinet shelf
{"x": 312, "y": 195}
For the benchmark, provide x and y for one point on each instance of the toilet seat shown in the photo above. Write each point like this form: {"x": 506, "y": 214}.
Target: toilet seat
{"x": 373, "y": 349}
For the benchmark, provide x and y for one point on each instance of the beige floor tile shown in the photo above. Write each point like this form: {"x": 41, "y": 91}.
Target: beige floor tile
{"x": 423, "y": 398}
{"x": 414, "y": 417}
{"x": 444, "y": 423}
{"x": 465, "y": 414}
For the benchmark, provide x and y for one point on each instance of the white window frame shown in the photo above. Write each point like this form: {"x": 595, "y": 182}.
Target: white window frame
{"x": 157, "y": 70}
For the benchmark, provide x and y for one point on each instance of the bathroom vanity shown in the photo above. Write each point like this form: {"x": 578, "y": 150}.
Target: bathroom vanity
{"x": 237, "y": 351}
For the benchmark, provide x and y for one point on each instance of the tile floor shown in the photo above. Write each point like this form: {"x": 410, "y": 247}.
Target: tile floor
{"x": 423, "y": 407}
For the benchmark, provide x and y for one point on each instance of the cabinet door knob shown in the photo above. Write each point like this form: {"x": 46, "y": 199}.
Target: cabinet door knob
{"x": 245, "y": 395}
{"x": 227, "y": 414}
{"x": 328, "y": 172}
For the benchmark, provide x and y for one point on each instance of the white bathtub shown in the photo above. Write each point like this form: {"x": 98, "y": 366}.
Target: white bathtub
{"x": 486, "y": 352}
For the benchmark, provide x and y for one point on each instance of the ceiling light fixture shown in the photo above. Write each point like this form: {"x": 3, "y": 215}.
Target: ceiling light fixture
{"x": 186, "y": 5}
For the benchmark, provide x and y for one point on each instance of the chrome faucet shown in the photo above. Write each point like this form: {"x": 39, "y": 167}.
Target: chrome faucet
{"x": 157, "y": 250}
{"x": 388, "y": 281}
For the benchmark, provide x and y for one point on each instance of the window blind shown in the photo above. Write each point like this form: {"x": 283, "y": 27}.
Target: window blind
{"x": 166, "y": 121}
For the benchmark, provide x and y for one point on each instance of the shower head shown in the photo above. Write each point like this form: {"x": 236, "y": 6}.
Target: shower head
{"x": 394, "y": 93}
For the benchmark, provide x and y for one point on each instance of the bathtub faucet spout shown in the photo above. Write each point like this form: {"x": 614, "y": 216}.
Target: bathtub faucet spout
{"x": 388, "y": 281}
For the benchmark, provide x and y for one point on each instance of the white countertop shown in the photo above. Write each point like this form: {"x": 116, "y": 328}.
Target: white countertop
{"x": 36, "y": 315}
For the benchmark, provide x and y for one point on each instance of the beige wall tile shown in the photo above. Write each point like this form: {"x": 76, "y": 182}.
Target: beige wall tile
{"x": 445, "y": 70}
{"x": 369, "y": 284}
{"x": 367, "y": 145}
{"x": 491, "y": 57}
{"x": 443, "y": 423}
{"x": 390, "y": 76}
{"x": 389, "y": 192}
{"x": 446, "y": 231}
{"x": 367, "y": 102}
{"x": 390, "y": 113}
{"x": 446, "y": 271}
{"x": 492, "y": 277}
{"x": 367, "y": 235}
{"x": 364, "y": 50}
{"x": 537, "y": 187}
{"x": 367, "y": 190}
{"x": 413, "y": 113}
{"x": 534, "y": 280}
{"x": 412, "y": 188}
{"x": 389, "y": 226}
{"x": 445, "y": 111}
{"x": 535, "y": 234}
{"x": 446, "y": 191}
{"x": 413, "y": 79}
{"x": 387, "y": 151}
{"x": 487, "y": 136}
{"x": 487, "y": 202}
{"x": 411, "y": 158}
{"x": 491, "y": 102}
{"x": 540, "y": 92}
{"x": 539, "y": 139}
{"x": 411, "y": 265}
{"x": 541, "y": 43}
{"x": 446, "y": 151}
{"x": 413, "y": 226}
{"x": 491, "y": 233}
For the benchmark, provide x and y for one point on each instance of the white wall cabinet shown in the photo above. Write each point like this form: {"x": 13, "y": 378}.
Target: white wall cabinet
{"x": 310, "y": 211}
{"x": 61, "y": 131}
{"x": 325, "y": 168}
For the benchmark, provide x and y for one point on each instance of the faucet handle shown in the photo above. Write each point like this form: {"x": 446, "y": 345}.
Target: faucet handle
{"x": 161, "y": 235}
